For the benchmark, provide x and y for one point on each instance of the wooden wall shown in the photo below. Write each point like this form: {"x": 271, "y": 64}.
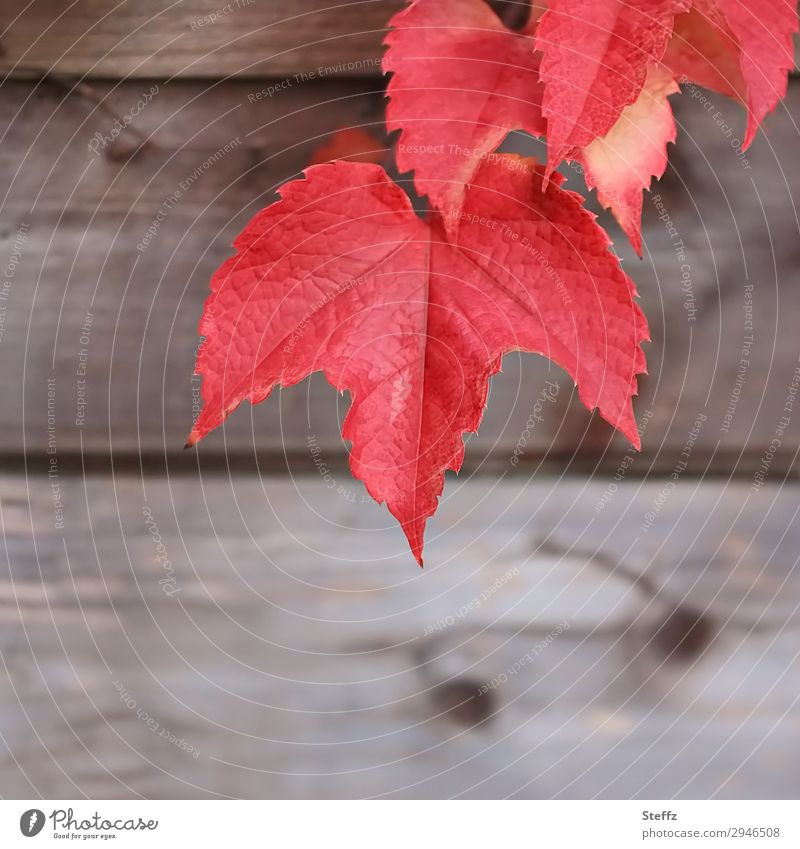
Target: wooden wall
{"x": 283, "y": 631}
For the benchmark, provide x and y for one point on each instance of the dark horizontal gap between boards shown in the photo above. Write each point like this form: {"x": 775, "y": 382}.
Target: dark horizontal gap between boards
{"x": 725, "y": 465}
{"x": 380, "y": 79}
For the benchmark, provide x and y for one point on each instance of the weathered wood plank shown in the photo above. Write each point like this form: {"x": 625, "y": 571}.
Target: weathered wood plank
{"x": 198, "y": 38}
{"x": 195, "y": 38}
{"x": 94, "y": 227}
{"x": 290, "y": 646}
{"x": 108, "y": 235}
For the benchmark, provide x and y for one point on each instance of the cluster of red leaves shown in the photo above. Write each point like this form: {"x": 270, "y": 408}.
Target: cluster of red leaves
{"x": 413, "y": 316}
{"x": 591, "y": 76}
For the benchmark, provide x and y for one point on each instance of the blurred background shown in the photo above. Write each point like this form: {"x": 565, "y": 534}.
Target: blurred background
{"x": 242, "y": 620}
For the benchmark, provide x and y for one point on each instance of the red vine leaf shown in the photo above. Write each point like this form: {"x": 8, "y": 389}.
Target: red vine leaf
{"x": 461, "y": 81}
{"x": 341, "y": 276}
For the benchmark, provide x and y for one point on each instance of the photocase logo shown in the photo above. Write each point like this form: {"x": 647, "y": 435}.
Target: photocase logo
{"x": 31, "y": 822}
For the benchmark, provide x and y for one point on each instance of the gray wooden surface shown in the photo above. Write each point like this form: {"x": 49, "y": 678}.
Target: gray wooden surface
{"x": 301, "y": 653}
{"x": 193, "y": 38}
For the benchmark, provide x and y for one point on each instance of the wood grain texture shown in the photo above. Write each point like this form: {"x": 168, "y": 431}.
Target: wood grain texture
{"x": 197, "y": 38}
{"x": 194, "y": 38}
{"x": 302, "y": 653}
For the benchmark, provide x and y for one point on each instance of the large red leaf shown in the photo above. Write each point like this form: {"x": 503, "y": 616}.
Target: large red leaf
{"x": 596, "y": 55}
{"x": 461, "y": 81}
{"x": 742, "y": 48}
{"x": 341, "y": 276}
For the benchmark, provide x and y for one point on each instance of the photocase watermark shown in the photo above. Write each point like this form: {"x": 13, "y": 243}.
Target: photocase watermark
{"x": 679, "y": 468}
{"x": 320, "y": 73}
{"x": 687, "y": 287}
{"x": 548, "y": 395}
{"x": 218, "y": 14}
{"x": 743, "y": 366}
{"x": 66, "y": 826}
{"x": 168, "y": 584}
{"x": 622, "y": 469}
{"x": 525, "y": 660}
{"x": 20, "y": 237}
{"x": 100, "y": 141}
{"x": 450, "y": 620}
{"x": 780, "y": 431}
{"x": 152, "y": 723}
{"x": 718, "y": 118}
{"x": 183, "y": 187}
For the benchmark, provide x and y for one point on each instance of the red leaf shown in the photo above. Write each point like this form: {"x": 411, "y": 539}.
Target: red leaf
{"x": 741, "y": 48}
{"x": 595, "y": 59}
{"x": 461, "y": 82}
{"x": 341, "y": 276}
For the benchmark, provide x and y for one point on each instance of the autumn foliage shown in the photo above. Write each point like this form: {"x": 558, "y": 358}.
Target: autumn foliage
{"x": 412, "y": 317}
